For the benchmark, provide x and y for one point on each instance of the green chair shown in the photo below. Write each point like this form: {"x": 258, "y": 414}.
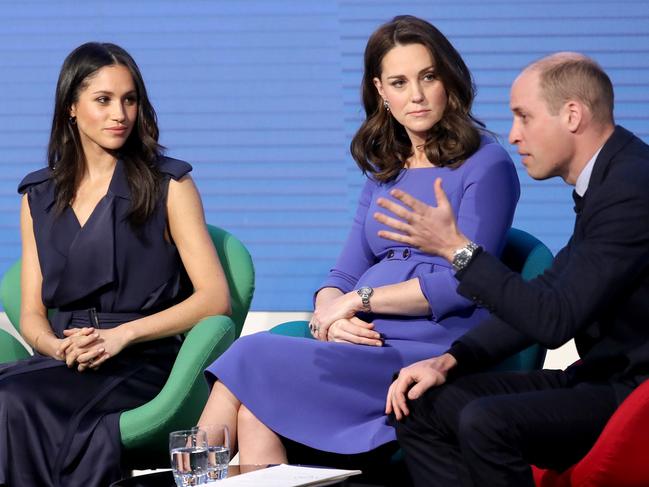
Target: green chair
{"x": 145, "y": 430}
{"x": 523, "y": 253}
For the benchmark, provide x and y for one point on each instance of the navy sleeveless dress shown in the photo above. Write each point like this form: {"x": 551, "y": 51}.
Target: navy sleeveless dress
{"x": 58, "y": 426}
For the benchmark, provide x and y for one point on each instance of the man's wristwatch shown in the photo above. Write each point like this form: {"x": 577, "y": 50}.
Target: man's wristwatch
{"x": 365, "y": 293}
{"x": 463, "y": 256}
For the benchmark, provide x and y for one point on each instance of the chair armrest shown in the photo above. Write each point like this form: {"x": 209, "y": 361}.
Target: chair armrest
{"x": 181, "y": 400}
{"x": 11, "y": 349}
{"x": 293, "y": 329}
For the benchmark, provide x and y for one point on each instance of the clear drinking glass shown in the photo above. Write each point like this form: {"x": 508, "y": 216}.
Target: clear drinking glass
{"x": 218, "y": 451}
{"x": 188, "y": 450}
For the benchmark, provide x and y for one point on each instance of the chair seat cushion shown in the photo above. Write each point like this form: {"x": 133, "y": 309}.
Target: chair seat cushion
{"x": 619, "y": 457}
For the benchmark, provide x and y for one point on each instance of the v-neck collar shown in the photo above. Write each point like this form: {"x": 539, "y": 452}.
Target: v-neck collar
{"x": 118, "y": 186}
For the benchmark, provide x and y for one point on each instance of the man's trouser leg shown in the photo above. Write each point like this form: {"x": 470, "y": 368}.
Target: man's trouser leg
{"x": 485, "y": 429}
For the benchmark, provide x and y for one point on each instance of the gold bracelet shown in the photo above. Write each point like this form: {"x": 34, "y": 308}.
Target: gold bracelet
{"x": 38, "y": 337}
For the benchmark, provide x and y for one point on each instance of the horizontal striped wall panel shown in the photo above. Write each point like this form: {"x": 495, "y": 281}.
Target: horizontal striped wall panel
{"x": 262, "y": 97}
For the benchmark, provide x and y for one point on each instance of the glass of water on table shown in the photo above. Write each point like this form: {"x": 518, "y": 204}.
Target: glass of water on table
{"x": 188, "y": 450}
{"x": 218, "y": 451}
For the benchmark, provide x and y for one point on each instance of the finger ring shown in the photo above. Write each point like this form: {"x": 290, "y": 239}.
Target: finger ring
{"x": 313, "y": 327}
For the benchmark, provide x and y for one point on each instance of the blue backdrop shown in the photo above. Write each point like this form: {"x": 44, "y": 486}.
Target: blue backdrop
{"x": 262, "y": 98}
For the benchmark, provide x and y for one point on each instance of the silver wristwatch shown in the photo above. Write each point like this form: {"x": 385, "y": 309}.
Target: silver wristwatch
{"x": 463, "y": 256}
{"x": 365, "y": 293}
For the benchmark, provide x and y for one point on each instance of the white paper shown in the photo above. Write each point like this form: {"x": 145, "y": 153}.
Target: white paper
{"x": 288, "y": 476}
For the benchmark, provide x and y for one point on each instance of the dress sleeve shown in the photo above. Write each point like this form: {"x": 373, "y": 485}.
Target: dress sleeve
{"x": 490, "y": 193}
{"x": 34, "y": 178}
{"x": 356, "y": 256}
{"x": 174, "y": 167}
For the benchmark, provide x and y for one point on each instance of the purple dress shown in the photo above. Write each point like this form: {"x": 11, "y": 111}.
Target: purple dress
{"x": 331, "y": 396}
{"x": 60, "y": 427}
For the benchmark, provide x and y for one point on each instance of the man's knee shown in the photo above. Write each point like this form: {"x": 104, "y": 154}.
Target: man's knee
{"x": 481, "y": 421}
{"x": 437, "y": 410}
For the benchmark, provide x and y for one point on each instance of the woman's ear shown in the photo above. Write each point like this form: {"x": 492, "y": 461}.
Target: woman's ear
{"x": 379, "y": 87}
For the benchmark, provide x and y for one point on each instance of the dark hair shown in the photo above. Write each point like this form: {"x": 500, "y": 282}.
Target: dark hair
{"x": 139, "y": 153}
{"x": 381, "y": 146}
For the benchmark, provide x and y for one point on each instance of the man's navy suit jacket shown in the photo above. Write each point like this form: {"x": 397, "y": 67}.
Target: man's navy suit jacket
{"x": 596, "y": 291}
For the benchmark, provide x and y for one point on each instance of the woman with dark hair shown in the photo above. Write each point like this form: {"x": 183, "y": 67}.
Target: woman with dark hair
{"x": 384, "y": 305}
{"x": 114, "y": 240}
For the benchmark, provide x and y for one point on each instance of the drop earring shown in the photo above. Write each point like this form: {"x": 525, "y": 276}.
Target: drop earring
{"x": 386, "y": 105}
{"x": 72, "y": 120}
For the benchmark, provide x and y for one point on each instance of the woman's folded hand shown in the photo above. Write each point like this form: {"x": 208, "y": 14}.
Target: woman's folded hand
{"x": 354, "y": 330}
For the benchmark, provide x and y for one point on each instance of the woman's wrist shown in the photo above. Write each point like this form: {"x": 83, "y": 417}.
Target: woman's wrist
{"x": 326, "y": 295}
{"x": 46, "y": 343}
{"x": 355, "y": 301}
{"x": 127, "y": 333}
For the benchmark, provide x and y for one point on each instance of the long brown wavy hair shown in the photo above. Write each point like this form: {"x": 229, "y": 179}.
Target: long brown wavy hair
{"x": 139, "y": 153}
{"x": 381, "y": 145}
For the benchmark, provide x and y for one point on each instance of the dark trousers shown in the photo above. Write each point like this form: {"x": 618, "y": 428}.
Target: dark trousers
{"x": 486, "y": 429}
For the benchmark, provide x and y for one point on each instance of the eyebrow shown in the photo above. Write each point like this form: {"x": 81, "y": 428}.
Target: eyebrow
{"x": 106, "y": 92}
{"x": 429, "y": 68}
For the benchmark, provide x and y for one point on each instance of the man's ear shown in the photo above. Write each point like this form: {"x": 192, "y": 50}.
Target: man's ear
{"x": 573, "y": 114}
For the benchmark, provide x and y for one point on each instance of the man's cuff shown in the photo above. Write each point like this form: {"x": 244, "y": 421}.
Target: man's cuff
{"x": 465, "y": 357}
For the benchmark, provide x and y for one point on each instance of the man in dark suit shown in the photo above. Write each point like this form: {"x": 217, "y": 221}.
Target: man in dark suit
{"x": 486, "y": 428}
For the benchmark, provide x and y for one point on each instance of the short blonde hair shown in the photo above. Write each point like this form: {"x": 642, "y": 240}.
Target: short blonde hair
{"x": 573, "y": 76}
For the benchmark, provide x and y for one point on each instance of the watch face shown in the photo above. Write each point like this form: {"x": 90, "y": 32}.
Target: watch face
{"x": 365, "y": 291}
{"x": 463, "y": 256}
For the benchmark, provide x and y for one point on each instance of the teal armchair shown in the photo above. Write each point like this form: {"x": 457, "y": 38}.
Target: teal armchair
{"x": 144, "y": 430}
{"x": 526, "y": 254}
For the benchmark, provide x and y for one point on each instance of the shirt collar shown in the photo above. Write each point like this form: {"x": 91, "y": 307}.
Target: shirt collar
{"x": 119, "y": 182}
{"x": 584, "y": 177}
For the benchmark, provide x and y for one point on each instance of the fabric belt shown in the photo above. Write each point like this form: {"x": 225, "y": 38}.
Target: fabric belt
{"x": 94, "y": 318}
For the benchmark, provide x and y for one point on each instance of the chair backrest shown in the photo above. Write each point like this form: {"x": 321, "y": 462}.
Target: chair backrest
{"x": 10, "y": 293}
{"x": 528, "y": 256}
{"x": 232, "y": 253}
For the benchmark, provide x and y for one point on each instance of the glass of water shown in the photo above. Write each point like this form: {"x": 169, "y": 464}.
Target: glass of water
{"x": 188, "y": 450}
{"x": 218, "y": 451}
